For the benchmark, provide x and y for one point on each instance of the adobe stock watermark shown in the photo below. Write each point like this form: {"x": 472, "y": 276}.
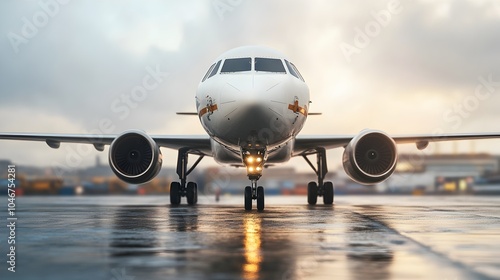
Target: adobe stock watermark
{"x": 363, "y": 37}
{"x": 457, "y": 113}
{"x": 121, "y": 107}
{"x": 276, "y": 128}
{"x": 222, "y": 7}
{"x": 40, "y": 19}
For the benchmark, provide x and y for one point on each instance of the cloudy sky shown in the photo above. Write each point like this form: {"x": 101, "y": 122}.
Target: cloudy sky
{"x": 400, "y": 66}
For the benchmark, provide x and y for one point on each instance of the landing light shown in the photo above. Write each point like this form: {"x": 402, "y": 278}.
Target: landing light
{"x": 259, "y": 168}
{"x": 259, "y": 159}
{"x": 250, "y": 169}
{"x": 250, "y": 159}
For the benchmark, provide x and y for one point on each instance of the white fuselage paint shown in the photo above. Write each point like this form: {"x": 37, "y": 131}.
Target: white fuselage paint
{"x": 252, "y": 110}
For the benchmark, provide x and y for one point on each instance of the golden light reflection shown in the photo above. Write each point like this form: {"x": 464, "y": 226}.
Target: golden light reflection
{"x": 252, "y": 242}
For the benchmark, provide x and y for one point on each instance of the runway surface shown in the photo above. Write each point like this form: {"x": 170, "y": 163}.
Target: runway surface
{"x": 360, "y": 237}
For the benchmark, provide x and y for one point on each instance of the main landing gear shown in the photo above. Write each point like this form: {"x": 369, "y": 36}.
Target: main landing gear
{"x": 180, "y": 189}
{"x": 320, "y": 188}
{"x": 254, "y": 162}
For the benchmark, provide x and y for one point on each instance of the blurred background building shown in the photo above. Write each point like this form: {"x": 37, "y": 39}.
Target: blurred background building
{"x": 416, "y": 174}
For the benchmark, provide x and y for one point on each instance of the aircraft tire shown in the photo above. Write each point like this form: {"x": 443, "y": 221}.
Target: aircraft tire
{"x": 175, "y": 193}
{"x": 191, "y": 193}
{"x": 260, "y": 198}
{"x": 328, "y": 193}
{"x": 312, "y": 193}
{"x": 248, "y": 198}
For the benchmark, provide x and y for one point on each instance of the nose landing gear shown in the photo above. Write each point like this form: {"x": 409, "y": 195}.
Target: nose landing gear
{"x": 254, "y": 162}
{"x": 253, "y": 192}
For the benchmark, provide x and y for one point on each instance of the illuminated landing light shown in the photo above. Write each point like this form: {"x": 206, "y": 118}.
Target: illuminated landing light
{"x": 250, "y": 159}
{"x": 258, "y": 168}
{"x": 259, "y": 159}
{"x": 251, "y": 169}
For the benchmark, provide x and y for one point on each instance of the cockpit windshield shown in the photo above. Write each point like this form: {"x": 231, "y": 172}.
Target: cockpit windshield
{"x": 232, "y": 65}
{"x": 261, "y": 64}
{"x": 212, "y": 71}
{"x": 293, "y": 70}
{"x": 269, "y": 65}
{"x": 208, "y": 72}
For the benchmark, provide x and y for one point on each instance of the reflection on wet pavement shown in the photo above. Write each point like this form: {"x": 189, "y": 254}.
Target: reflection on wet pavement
{"x": 357, "y": 238}
{"x": 252, "y": 243}
{"x": 368, "y": 250}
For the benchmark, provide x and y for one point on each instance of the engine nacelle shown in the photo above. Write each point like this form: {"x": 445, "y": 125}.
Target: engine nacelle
{"x": 135, "y": 157}
{"x": 370, "y": 157}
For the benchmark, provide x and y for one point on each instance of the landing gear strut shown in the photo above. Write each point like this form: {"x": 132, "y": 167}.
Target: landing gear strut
{"x": 320, "y": 188}
{"x": 183, "y": 188}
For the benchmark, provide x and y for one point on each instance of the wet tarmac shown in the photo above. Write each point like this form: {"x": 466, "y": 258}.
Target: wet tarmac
{"x": 360, "y": 237}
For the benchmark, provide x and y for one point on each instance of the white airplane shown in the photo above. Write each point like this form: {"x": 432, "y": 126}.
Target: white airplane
{"x": 252, "y": 102}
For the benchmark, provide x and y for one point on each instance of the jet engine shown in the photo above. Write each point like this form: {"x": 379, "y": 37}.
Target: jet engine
{"x": 135, "y": 157}
{"x": 370, "y": 157}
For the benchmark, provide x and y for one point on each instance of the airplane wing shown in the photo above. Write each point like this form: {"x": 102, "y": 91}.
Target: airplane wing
{"x": 307, "y": 143}
{"x": 202, "y": 142}
{"x": 199, "y": 143}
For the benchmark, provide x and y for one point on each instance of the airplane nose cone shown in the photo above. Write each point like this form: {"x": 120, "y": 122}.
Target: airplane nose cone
{"x": 255, "y": 111}
{"x": 258, "y": 125}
